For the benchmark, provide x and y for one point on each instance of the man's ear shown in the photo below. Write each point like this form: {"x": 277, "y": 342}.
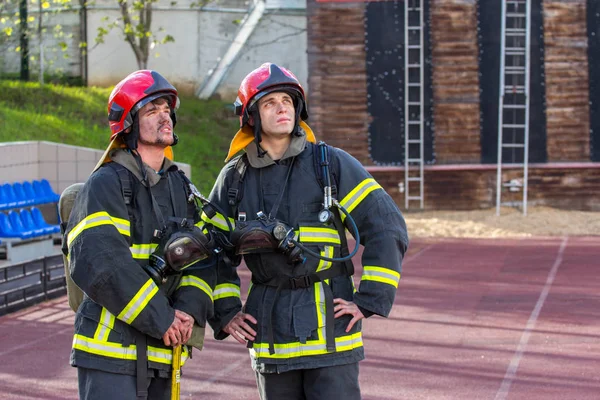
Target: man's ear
{"x": 128, "y": 130}
{"x": 251, "y": 120}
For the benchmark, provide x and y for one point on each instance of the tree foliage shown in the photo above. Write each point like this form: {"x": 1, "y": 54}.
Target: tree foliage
{"x": 135, "y": 23}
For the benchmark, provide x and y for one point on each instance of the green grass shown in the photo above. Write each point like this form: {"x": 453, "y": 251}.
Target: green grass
{"x": 78, "y": 116}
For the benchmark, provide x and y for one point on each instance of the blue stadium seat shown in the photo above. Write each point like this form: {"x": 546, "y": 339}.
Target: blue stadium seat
{"x": 20, "y": 194}
{"x": 9, "y": 196}
{"x": 29, "y": 193}
{"x": 7, "y": 230}
{"x": 40, "y": 222}
{"x": 3, "y": 201}
{"x": 39, "y": 191}
{"x": 30, "y": 225}
{"x": 50, "y": 194}
{"x": 17, "y": 225}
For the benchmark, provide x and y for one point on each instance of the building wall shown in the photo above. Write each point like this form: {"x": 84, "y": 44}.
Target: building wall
{"x": 567, "y": 81}
{"x": 338, "y": 98}
{"x": 337, "y": 79}
{"x": 455, "y": 81}
{"x": 572, "y": 186}
{"x": 201, "y": 39}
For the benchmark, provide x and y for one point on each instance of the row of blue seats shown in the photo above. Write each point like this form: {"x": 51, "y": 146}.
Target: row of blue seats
{"x": 25, "y": 224}
{"x": 27, "y": 193}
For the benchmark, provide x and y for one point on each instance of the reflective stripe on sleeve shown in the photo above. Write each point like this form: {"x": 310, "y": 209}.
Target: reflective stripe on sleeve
{"x": 190, "y": 280}
{"x": 379, "y": 274}
{"x": 138, "y": 302}
{"x": 98, "y": 219}
{"x": 142, "y": 251}
{"x": 226, "y": 290}
{"x": 357, "y": 195}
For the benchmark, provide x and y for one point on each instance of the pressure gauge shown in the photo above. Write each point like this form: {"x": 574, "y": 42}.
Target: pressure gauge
{"x": 325, "y": 216}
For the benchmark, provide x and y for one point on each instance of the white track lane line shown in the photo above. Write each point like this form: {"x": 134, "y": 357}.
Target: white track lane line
{"x": 511, "y": 372}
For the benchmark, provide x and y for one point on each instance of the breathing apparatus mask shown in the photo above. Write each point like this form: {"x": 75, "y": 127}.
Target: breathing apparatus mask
{"x": 265, "y": 235}
{"x": 180, "y": 245}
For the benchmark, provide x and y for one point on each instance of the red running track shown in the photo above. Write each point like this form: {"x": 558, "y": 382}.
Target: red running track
{"x": 474, "y": 319}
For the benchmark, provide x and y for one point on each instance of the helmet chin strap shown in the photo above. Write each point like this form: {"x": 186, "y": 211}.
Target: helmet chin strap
{"x": 296, "y": 130}
{"x": 257, "y": 128}
{"x": 131, "y": 138}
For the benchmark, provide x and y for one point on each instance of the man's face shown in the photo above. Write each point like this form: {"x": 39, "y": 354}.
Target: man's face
{"x": 277, "y": 114}
{"x": 156, "y": 126}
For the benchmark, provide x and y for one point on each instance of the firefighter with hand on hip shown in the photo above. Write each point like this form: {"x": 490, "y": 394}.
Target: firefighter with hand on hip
{"x": 133, "y": 240}
{"x": 288, "y": 203}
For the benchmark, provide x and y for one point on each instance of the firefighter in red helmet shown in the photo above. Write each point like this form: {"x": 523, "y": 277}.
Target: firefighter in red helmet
{"x": 136, "y": 306}
{"x": 288, "y": 203}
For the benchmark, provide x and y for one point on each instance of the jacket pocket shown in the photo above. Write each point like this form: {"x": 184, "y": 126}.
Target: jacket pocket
{"x": 304, "y": 320}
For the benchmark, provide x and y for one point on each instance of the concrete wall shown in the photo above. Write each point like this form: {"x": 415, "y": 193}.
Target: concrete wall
{"x": 201, "y": 40}
{"x": 62, "y": 165}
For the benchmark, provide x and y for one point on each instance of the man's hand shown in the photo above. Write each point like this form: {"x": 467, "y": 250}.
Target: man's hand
{"x": 239, "y": 329}
{"x": 180, "y": 330}
{"x": 343, "y": 307}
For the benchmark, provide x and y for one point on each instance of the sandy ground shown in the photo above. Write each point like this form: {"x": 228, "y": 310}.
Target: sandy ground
{"x": 539, "y": 221}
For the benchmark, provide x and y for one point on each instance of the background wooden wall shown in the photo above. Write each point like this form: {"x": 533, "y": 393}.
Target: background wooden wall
{"x": 338, "y": 110}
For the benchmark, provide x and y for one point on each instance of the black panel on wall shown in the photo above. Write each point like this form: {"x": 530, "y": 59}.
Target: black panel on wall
{"x": 489, "y": 23}
{"x": 593, "y": 30}
{"x": 385, "y": 66}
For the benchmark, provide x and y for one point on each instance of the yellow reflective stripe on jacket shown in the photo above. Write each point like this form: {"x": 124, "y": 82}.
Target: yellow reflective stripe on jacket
{"x": 190, "y": 280}
{"x": 117, "y": 350}
{"x": 327, "y": 252}
{"x": 379, "y": 274}
{"x": 310, "y": 234}
{"x": 320, "y": 294}
{"x": 142, "y": 251}
{"x": 138, "y": 302}
{"x": 219, "y": 221}
{"x": 107, "y": 322}
{"x": 226, "y": 290}
{"x": 98, "y": 219}
{"x": 353, "y": 199}
{"x": 310, "y": 348}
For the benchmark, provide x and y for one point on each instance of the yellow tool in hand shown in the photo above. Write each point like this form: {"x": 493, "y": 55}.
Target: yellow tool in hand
{"x": 176, "y": 373}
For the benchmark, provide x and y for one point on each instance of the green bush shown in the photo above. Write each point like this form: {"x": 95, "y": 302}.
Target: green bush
{"x": 77, "y": 116}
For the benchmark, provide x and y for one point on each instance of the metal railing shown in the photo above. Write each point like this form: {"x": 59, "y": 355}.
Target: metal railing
{"x": 31, "y": 282}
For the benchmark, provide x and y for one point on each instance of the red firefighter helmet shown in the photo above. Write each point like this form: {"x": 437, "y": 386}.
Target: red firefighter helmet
{"x": 135, "y": 91}
{"x": 266, "y": 79}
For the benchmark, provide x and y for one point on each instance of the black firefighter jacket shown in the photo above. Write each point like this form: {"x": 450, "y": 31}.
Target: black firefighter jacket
{"x": 299, "y": 316}
{"x": 107, "y": 250}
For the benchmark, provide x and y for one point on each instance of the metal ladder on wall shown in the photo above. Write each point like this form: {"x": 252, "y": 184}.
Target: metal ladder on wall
{"x": 413, "y": 106}
{"x": 513, "y": 104}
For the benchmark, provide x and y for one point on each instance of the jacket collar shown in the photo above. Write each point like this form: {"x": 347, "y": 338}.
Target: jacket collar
{"x": 245, "y": 136}
{"x": 296, "y": 147}
{"x": 126, "y": 159}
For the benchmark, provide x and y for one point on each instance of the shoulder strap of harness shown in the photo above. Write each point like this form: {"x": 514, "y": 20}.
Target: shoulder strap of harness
{"x": 126, "y": 187}
{"x": 235, "y": 192}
